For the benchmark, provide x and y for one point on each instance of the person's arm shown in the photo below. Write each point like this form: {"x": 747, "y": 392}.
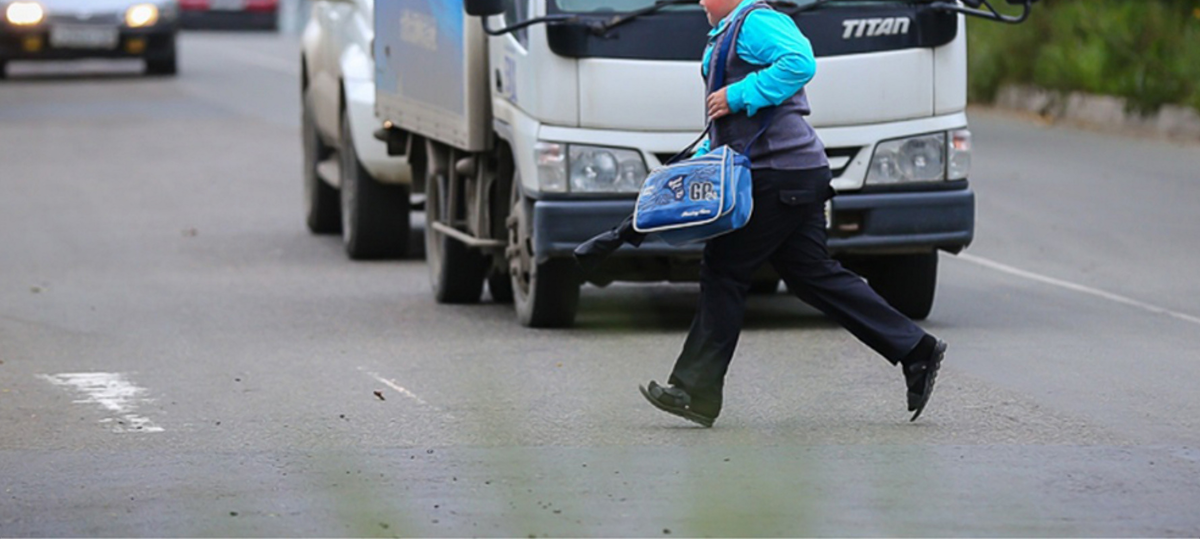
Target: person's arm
{"x": 771, "y": 39}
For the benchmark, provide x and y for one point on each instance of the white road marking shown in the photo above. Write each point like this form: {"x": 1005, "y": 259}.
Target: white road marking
{"x": 1004, "y": 268}
{"x": 398, "y": 388}
{"x": 112, "y": 392}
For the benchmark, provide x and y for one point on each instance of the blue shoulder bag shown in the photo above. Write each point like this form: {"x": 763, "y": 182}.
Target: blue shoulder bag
{"x": 693, "y": 200}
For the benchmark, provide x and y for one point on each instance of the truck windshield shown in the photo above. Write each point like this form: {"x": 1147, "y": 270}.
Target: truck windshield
{"x": 592, "y": 6}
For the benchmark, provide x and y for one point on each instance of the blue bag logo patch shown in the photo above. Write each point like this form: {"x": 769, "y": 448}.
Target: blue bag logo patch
{"x": 702, "y": 191}
{"x": 675, "y": 186}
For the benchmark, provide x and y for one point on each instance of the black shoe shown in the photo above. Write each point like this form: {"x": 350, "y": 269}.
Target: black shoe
{"x": 673, "y": 400}
{"x": 591, "y": 253}
{"x": 921, "y": 376}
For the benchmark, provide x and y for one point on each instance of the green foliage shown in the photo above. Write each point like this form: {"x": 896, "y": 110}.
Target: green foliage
{"x": 1147, "y": 51}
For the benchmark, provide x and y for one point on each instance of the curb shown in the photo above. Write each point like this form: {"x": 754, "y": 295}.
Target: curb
{"x": 1102, "y": 112}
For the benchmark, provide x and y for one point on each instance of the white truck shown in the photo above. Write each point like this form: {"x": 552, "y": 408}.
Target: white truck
{"x": 531, "y": 131}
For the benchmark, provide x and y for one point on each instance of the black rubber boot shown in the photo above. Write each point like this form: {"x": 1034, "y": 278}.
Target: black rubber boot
{"x": 920, "y": 375}
{"x": 675, "y": 401}
{"x": 591, "y": 253}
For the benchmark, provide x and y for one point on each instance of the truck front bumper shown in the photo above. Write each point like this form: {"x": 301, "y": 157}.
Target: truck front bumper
{"x": 900, "y": 222}
{"x": 862, "y": 224}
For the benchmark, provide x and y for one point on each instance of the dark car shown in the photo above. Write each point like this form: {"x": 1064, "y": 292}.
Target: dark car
{"x": 251, "y": 14}
{"x": 73, "y": 29}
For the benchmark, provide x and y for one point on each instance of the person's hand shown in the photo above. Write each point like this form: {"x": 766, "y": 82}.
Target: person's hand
{"x": 718, "y": 104}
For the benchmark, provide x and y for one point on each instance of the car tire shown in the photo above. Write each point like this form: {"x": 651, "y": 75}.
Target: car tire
{"x": 322, "y": 203}
{"x": 906, "y": 282}
{"x": 164, "y": 66}
{"x": 375, "y": 221}
{"x": 456, "y": 271}
{"x": 545, "y": 294}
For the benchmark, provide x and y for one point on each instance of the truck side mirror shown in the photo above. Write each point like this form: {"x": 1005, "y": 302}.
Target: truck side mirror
{"x": 484, "y": 8}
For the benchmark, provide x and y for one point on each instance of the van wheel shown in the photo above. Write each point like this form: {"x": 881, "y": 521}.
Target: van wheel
{"x": 322, "y": 212}
{"x": 374, "y": 215}
{"x": 546, "y": 294}
{"x": 907, "y": 282}
{"x": 456, "y": 272}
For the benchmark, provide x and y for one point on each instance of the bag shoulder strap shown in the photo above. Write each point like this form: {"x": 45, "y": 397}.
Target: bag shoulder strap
{"x": 717, "y": 79}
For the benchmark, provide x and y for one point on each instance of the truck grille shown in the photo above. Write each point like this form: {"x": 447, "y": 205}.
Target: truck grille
{"x": 839, "y": 158}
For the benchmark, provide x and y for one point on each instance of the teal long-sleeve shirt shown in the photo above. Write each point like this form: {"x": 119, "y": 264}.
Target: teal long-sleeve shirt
{"x": 768, "y": 38}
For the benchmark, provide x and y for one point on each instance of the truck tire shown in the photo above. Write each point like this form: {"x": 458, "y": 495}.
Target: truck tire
{"x": 374, "y": 215}
{"x": 456, "y": 271}
{"x": 322, "y": 211}
{"x": 907, "y": 282}
{"x": 545, "y": 294}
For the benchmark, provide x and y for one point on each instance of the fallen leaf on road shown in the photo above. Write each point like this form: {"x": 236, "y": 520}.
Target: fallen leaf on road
{"x": 380, "y": 395}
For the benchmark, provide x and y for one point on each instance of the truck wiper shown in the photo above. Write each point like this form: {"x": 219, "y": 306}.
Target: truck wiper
{"x": 602, "y": 27}
{"x": 790, "y": 7}
{"x": 549, "y": 19}
{"x": 972, "y": 8}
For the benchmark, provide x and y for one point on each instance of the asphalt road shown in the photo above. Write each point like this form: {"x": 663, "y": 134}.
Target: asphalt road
{"x": 179, "y": 357}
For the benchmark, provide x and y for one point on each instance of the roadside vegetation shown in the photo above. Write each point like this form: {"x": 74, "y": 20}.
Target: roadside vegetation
{"x": 1146, "y": 51}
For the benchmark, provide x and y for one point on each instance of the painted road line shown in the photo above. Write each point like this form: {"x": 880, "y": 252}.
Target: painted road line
{"x": 400, "y": 389}
{"x": 113, "y": 392}
{"x": 1004, "y": 268}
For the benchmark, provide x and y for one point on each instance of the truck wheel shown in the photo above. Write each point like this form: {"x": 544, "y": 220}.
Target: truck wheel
{"x": 456, "y": 271}
{"x": 546, "y": 294}
{"x": 321, "y": 200}
{"x": 907, "y": 282}
{"x": 374, "y": 215}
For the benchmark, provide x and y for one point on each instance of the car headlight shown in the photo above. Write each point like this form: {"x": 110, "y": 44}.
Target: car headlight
{"x": 906, "y": 160}
{"x": 578, "y": 168}
{"x": 24, "y": 13}
{"x": 139, "y": 15}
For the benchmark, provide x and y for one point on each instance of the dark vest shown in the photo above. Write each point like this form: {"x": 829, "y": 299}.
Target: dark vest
{"x": 790, "y": 142}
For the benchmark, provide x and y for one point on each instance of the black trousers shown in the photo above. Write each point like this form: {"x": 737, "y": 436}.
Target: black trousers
{"x": 787, "y": 229}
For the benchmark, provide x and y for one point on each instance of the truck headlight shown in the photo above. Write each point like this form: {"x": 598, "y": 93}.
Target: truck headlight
{"x": 140, "y": 15}
{"x": 906, "y": 160}
{"x": 24, "y": 13}
{"x": 578, "y": 168}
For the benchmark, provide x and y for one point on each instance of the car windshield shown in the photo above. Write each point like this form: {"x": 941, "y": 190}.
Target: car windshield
{"x": 589, "y": 6}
